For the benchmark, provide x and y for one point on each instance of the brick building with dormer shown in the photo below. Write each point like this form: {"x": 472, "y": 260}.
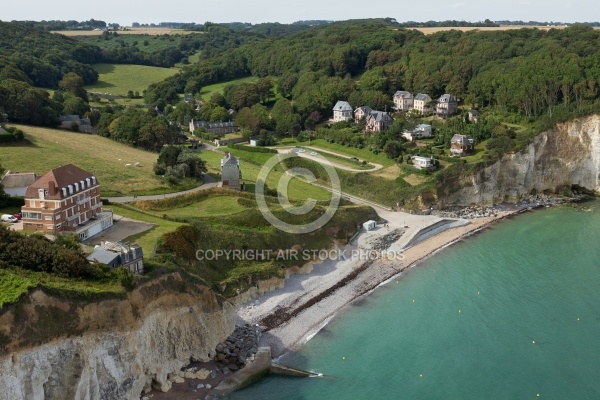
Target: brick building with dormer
{"x": 66, "y": 199}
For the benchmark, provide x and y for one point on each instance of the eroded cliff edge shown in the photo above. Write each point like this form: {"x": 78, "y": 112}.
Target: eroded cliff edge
{"x": 59, "y": 349}
{"x": 567, "y": 155}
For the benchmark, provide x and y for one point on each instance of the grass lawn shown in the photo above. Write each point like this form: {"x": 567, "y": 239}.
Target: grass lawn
{"x": 119, "y": 79}
{"x": 15, "y": 283}
{"x": 251, "y": 164}
{"x": 147, "y": 240}
{"x": 212, "y": 206}
{"x": 105, "y": 158}
{"x": 207, "y": 91}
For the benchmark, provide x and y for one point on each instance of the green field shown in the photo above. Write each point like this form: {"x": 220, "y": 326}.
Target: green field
{"x": 105, "y": 158}
{"x": 207, "y": 91}
{"x": 119, "y": 79}
{"x": 150, "y": 42}
{"x": 251, "y": 164}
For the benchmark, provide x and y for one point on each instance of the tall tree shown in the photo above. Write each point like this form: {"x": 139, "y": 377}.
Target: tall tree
{"x": 73, "y": 83}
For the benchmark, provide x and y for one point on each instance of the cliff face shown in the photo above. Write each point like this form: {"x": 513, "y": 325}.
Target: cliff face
{"x": 114, "y": 348}
{"x": 567, "y": 155}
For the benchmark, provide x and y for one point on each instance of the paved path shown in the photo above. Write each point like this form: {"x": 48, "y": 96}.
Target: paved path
{"x": 209, "y": 182}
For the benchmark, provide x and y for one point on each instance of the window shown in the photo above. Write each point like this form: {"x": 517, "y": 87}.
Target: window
{"x": 48, "y": 218}
{"x": 57, "y": 216}
{"x": 58, "y": 226}
{"x": 39, "y": 226}
{"x": 32, "y": 215}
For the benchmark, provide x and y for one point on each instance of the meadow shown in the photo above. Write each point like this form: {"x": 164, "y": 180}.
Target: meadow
{"x": 208, "y": 90}
{"x": 50, "y": 148}
{"x": 119, "y": 79}
{"x": 251, "y": 164}
{"x": 130, "y": 31}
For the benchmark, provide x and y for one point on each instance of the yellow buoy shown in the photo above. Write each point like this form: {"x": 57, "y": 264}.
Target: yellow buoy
{"x": 577, "y": 318}
{"x": 420, "y": 375}
{"x": 343, "y": 358}
{"x": 459, "y": 311}
{"x": 533, "y": 341}
{"x": 413, "y": 301}
{"x": 538, "y": 395}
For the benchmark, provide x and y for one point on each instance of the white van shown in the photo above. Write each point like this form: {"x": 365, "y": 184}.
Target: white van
{"x": 8, "y": 218}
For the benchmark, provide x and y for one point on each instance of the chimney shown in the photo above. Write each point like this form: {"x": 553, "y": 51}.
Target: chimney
{"x": 102, "y": 241}
{"x": 51, "y": 188}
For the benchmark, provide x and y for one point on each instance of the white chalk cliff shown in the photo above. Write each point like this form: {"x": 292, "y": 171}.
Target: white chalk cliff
{"x": 568, "y": 154}
{"x": 113, "y": 349}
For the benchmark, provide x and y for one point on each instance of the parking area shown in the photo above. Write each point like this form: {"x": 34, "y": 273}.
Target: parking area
{"x": 122, "y": 228}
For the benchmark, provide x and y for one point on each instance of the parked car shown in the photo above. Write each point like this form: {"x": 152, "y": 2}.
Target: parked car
{"x": 301, "y": 150}
{"x": 312, "y": 153}
{"x": 8, "y": 218}
{"x": 18, "y": 215}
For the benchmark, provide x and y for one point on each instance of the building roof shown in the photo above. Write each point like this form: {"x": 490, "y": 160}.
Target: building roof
{"x": 69, "y": 118}
{"x": 109, "y": 252}
{"x": 364, "y": 109}
{"x": 422, "y": 158}
{"x": 2, "y": 130}
{"x": 379, "y": 116}
{"x": 18, "y": 180}
{"x": 423, "y": 97}
{"x": 229, "y": 159}
{"x": 403, "y": 94}
{"x": 103, "y": 256}
{"x": 342, "y": 106}
{"x": 57, "y": 179}
{"x": 474, "y": 112}
{"x": 462, "y": 139}
{"x": 422, "y": 127}
{"x": 447, "y": 98}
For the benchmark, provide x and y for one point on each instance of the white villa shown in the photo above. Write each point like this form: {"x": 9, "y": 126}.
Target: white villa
{"x": 403, "y": 100}
{"x": 422, "y": 104}
{"x": 342, "y": 111}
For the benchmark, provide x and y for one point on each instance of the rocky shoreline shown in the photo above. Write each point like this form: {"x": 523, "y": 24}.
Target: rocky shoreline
{"x": 528, "y": 203}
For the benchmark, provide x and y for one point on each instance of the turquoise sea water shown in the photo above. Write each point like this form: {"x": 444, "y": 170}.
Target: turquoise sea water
{"x": 511, "y": 313}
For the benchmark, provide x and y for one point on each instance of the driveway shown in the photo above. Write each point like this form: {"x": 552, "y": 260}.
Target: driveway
{"x": 122, "y": 228}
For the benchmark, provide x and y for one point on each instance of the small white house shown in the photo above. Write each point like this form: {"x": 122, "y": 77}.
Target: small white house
{"x": 421, "y": 131}
{"x": 253, "y": 142}
{"x": 342, "y": 111}
{"x": 423, "y": 162}
{"x": 369, "y": 225}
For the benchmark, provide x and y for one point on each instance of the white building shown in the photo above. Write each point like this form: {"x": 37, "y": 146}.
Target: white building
{"x": 342, "y": 111}
{"x": 403, "y": 100}
{"x": 422, "y": 103}
{"x": 230, "y": 172}
{"x": 423, "y": 162}
{"x": 369, "y": 225}
{"x": 421, "y": 131}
